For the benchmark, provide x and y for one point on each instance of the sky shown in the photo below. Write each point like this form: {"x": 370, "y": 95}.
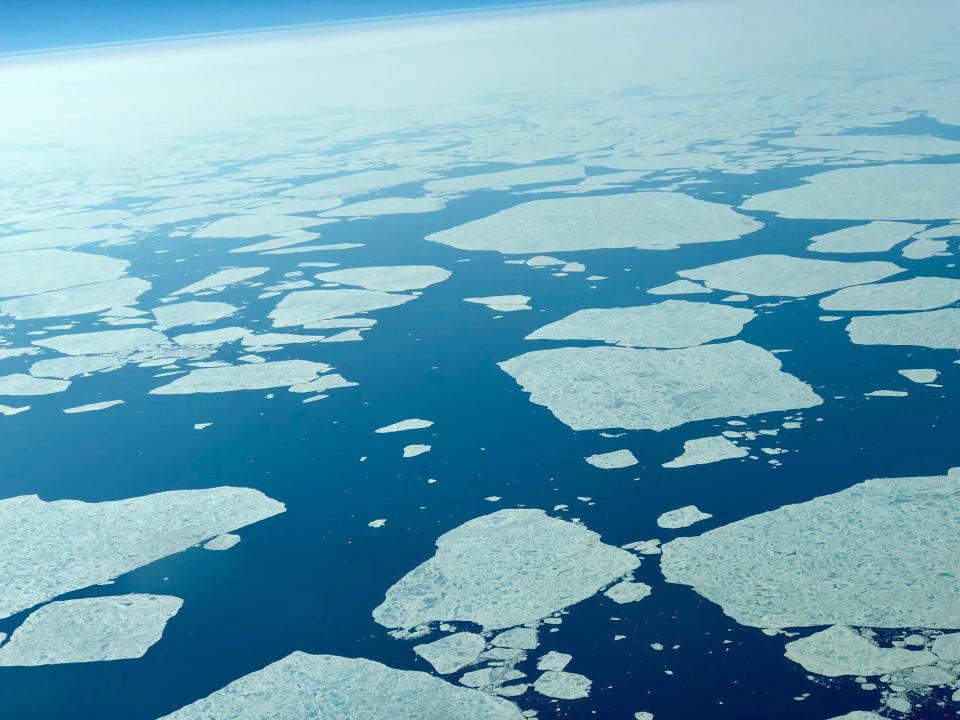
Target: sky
{"x": 36, "y": 25}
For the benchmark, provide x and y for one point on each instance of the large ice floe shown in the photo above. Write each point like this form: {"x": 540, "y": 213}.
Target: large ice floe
{"x": 788, "y": 276}
{"x": 668, "y": 324}
{"x": 883, "y": 192}
{"x": 873, "y": 555}
{"x": 939, "y": 329}
{"x": 250, "y": 376}
{"x": 504, "y": 569}
{"x": 641, "y": 389}
{"x": 326, "y": 686}
{"x": 920, "y": 293}
{"x": 648, "y": 220}
{"x": 387, "y": 278}
{"x": 116, "y": 627}
{"x": 878, "y": 236}
{"x": 50, "y": 548}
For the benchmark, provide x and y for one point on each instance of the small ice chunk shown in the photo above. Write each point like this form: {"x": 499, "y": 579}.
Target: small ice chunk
{"x": 682, "y": 517}
{"x": 877, "y": 236}
{"x": 225, "y": 541}
{"x": 192, "y": 312}
{"x": 680, "y": 287}
{"x": 701, "y": 451}
{"x": 452, "y": 653}
{"x": 522, "y": 638}
{"x": 554, "y": 660}
{"x": 502, "y": 303}
{"x": 920, "y": 375}
{"x": 413, "y": 450}
{"x": 626, "y": 592}
{"x": 403, "y": 425}
{"x": 612, "y": 460}
{"x": 378, "y": 523}
{"x": 92, "y": 407}
{"x": 563, "y": 685}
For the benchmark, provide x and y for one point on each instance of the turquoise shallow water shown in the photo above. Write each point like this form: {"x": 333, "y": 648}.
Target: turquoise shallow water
{"x": 309, "y": 578}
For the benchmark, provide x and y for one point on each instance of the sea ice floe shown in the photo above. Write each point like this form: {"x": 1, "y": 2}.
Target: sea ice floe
{"x": 648, "y": 220}
{"x": 264, "y": 340}
{"x": 610, "y": 387}
{"x": 701, "y": 451}
{"x": 387, "y": 278}
{"x": 924, "y": 248}
{"x": 453, "y": 652}
{"x": 388, "y": 206}
{"x": 894, "y": 144}
{"x": 192, "y": 312}
{"x": 788, "y": 276}
{"x": 521, "y": 638}
{"x": 563, "y": 685}
{"x": 682, "y": 517}
{"x": 7, "y": 410}
{"x": 105, "y": 342}
{"x": 912, "y": 191}
{"x": 118, "y": 627}
{"x": 502, "y": 570}
{"x": 878, "y": 236}
{"x": 39, "y": 271}
{"x": 626, "y": 592}
{"x": 92, "y": 407}
{"x": 873, "y": 555}
{"x": 304, "y": 307}
{"x": 920, "y": 375}
{"x": 413, "y": 450}
{"x": 92, "y": 297}
{"x": 222, "y": 542}
{"x": 251, "y": 226}
{"x": 250, "y": 376}
{"x": 52, "y": 548}
{"x": 554, "y": 660}
{"x": 23, "y": 384}
{"x": 70, "y": 366}
{"x": 680, "y": 287}
{"x": 667, "y": 324}
{"x": 947, "y": 647}
{"x": 326, "y": 686}
{"x": 355, "y": 184}
{"x": 613, "y": 460}
{"x": 221, "y": 278}
{"x": 920, "y": 293}
{"x": 939, "y": 329}
{"x": 403, "y": 425}
{"x": 502, "y": 303}
{"x": 840, "y": 650}
{"x": 505, "y": 179}
{"x": 214, "y": 338}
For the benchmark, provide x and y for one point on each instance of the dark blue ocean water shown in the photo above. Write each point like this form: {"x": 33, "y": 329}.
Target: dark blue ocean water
{"x": 309, "y": 578}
